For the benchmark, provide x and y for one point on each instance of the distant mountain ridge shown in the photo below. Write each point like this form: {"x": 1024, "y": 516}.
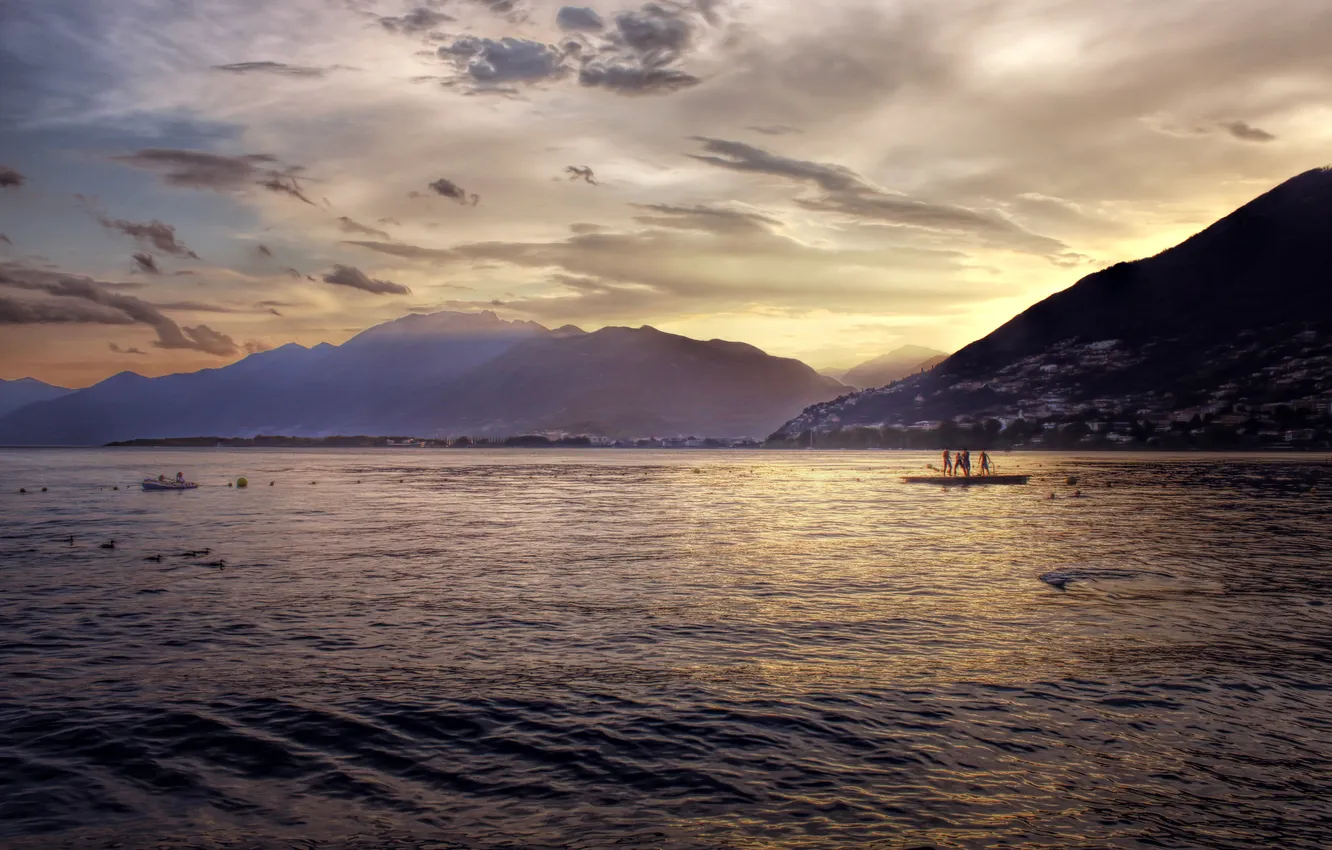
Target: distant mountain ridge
{"x": 446, "y": 374}
{"x": 1240, "y": 313}
{"x": 26, "y": 391}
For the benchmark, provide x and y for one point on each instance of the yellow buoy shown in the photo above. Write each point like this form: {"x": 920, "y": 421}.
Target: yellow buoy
{"x": 242, "y": 482}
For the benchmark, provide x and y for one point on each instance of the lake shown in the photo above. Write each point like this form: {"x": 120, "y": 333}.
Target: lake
{"x": 657, "y": 649}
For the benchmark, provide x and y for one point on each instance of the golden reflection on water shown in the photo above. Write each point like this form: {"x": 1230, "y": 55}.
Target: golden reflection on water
{"x": 743, "y": 649}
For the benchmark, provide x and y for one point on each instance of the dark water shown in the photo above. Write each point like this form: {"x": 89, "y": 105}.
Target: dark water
{"x": 646, "y": 649}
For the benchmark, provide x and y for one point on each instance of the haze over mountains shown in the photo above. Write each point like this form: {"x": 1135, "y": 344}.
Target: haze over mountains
{"x": 1239, "y": 314}
{"x": 895, "y": 365}
{"x": 447, "y": 374}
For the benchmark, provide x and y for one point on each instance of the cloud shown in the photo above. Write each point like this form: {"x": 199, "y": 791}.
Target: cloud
{"x": 696, "y": 259}
{"x": 263, "y": 250}
{"x": 847, "y": 193}
{"x": 579, "y": 19}
{"x": 635, "y": 58}
{"x": 217, "y": 172}
{"x": 490, "y": 63}
{"x": 1246, "y": 132}
{"x": 278, "y": 68}
{"x": 708, "y": 219}
{"x": 349, "y": 226}
{"x": 739, "y": 156}
{"x": 357, "y": 279}
{"x": 628, "y": 79}
{"x": 773, "y": 129}
{"x": 5, "y": 239}
{"x": 9, "y": 178}
{"x": 285, "y": 184}
{"x": 146, "y": 263}
{"x": 14, "y": 311}
{"x": 118, "y": 350}
{"x": 420, "y": 19}
{"x": 153, "y": 234}
{"x": 581, "y": 172}
{"x": 445, "y": 187}
{"x": 293, "y": 272}
{"x": 85, "y": 289}
{"x": 193, "y": 307}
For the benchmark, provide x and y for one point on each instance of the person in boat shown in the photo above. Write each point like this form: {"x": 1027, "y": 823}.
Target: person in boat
{"x": 180, "y": 478}
{"x": 948, "y": 462}
{"x": 987, "y": 468}
{"x": 161, "y": 479}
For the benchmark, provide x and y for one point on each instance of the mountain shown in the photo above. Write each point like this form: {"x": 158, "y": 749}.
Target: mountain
{"x": 445, "y": 373}
{"x": 26, "y": 391}
{"x": 627, "y": 382}
{"x": 1236, "y": 316}
{"x": 895, "y": 365}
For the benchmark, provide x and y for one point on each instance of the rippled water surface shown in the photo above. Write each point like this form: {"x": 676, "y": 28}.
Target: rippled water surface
{"x": 663, "y": 649}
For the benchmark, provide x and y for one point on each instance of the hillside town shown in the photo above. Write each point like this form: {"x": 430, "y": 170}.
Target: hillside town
{"x": 1257, "y": 393}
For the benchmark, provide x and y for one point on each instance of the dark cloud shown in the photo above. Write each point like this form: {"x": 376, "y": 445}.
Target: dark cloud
{"x": 5, "y": 239}
{"x": 273, "y": 311}
{"x": 579, "y": 19}
{"x": 279, "y": 68}
{"x": 739, "y": 156}
{"x": 285, "y": 184}
{"x": 130, "y": 350}
{"x": 255, "y": 346}
{"x": 271, "y": 304}
{"x": 152, "y": 234}
{"x": 636, "y": 57}
{"x": 849, "y": 194}
{"x": 218, "y": 172}
{"x": 77, "y": 288}
{"x": 392, "y": 221}
{"x": 14, "y": 311}
{"x": 292, "y": 272}
{"x": 9, "y": 178}
{"x": 491, "y": 63}
{"x": 445, "y": 187}
{"x": 146, "y": 263}
{"x": 184, "y": 272}
{"x": 581, "y": 172}
{"x": 420, "y": 19}
{"x": 350, "y": 226}
{"x": 1247, "y": 132}
{"x": 357, "y": 279}
{"x": 773, "y": 129}
{"x": 635, "y": 80}
{"x": 657, "y": 33}
{"x": 263, "y": 250}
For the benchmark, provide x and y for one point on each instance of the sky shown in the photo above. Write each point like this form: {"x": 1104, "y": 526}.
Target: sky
{"x": 182, "y": 184}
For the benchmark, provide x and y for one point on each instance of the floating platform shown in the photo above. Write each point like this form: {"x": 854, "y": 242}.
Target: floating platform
{"x": 964, "y": 481}
{"x": 169, "y": 484}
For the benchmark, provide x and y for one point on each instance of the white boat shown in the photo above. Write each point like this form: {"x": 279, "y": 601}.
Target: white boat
{"x": 168, "y": 484}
